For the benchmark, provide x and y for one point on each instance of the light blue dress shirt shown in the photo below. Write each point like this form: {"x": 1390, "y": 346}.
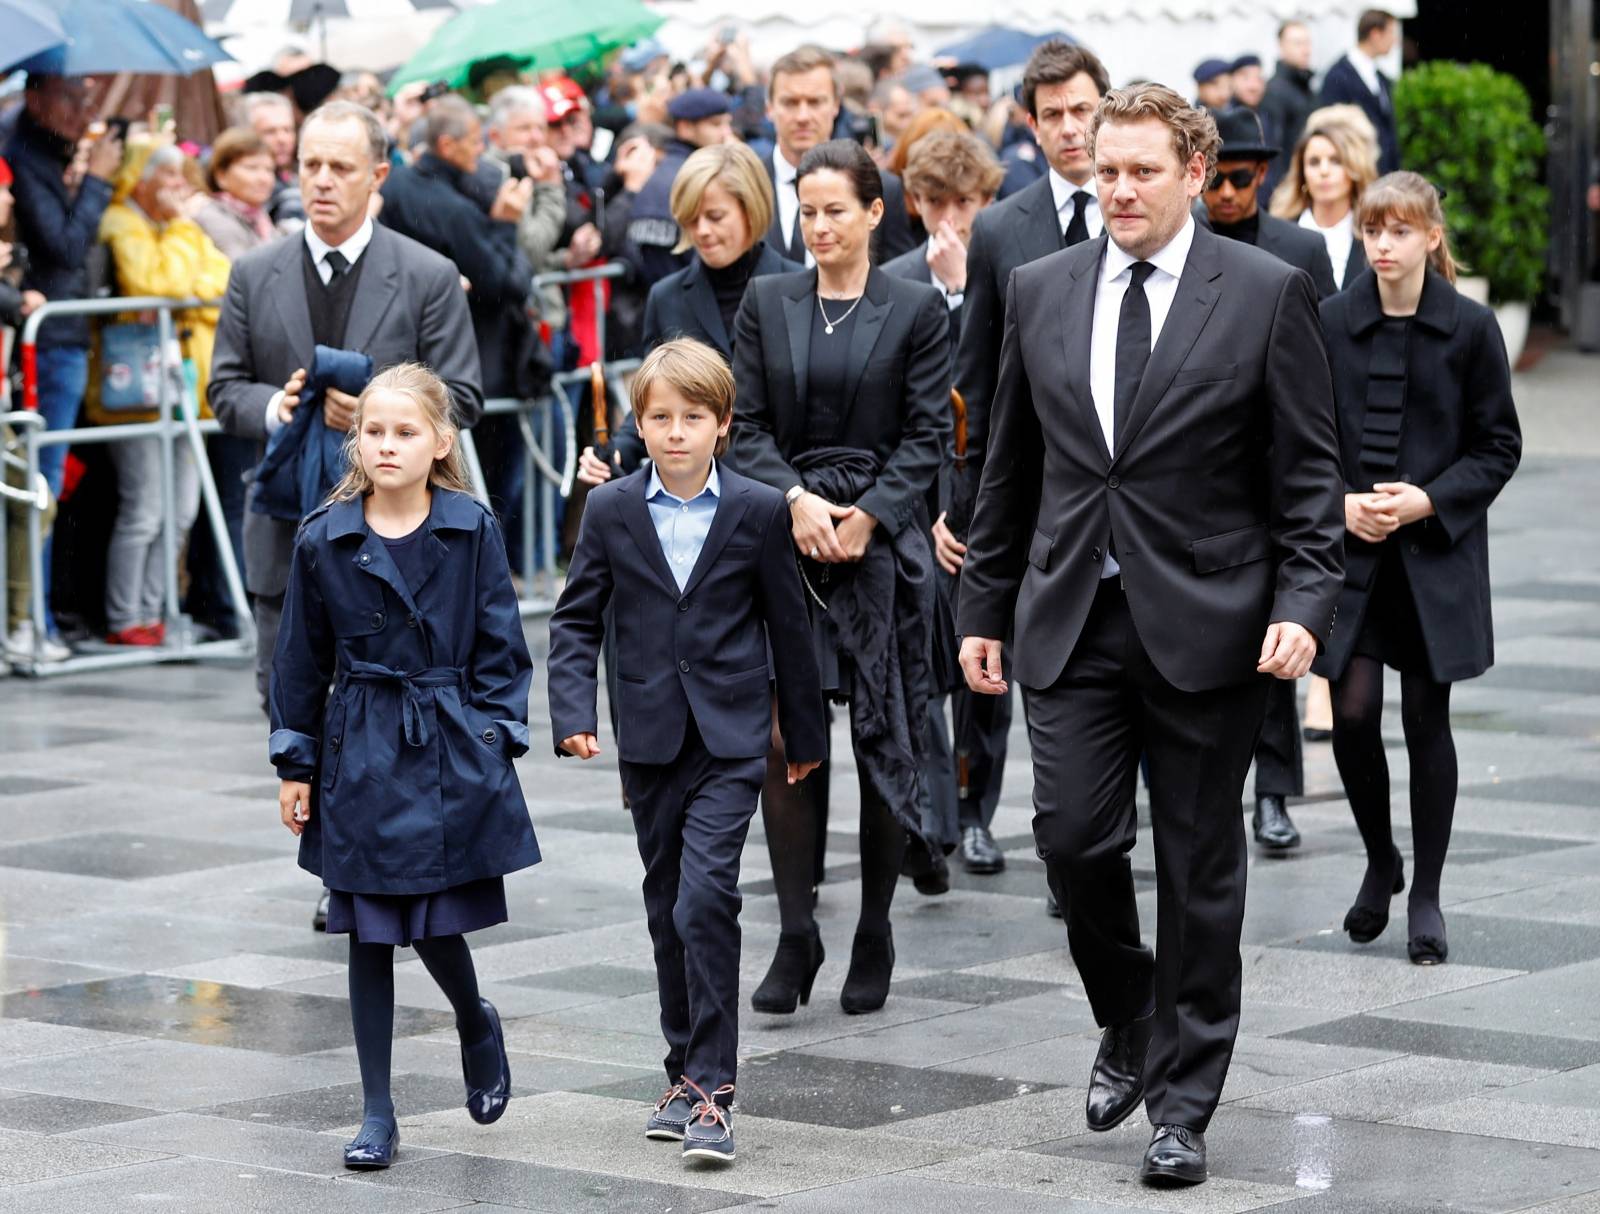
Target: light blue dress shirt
{"x": 682, "y": 526}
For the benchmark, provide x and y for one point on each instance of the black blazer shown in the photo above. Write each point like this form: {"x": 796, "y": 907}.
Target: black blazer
{"x": 892, "y": 237}
{"x": 1459, "y": 440}
{"x": 1301, "y": 248}
{"x": 702, "y": 651}
{"x": 899, "y": 386}
{"x": 914, "y": 266}
{"x": 1355, "y": 264}
{"x": 1223, "y": 495}
{"x": 1011, "y": 233}
{"x": 1343, "y": 85}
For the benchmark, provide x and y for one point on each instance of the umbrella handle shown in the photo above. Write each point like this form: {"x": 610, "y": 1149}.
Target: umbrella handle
{"x": 958, "y": 406}
{"x": 600, "y": 403}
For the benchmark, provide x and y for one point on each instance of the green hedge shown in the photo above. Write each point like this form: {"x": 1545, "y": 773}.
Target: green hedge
{"x": 1469, "y": 130}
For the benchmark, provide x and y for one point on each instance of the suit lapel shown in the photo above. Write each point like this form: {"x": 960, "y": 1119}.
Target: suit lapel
{"x": 703, "y": 303}
{"x": 1040, "y": 233}
{"x": 636, "y": 516}
{"x": 290, "y": 296}
{"x": 875, "y": 309}
{"x": 1077, "y": 331}
{"x": 1192, "y": 305}
{"x": 377, "y": 289}
{"x": 797, "y": 319}
{"x": 730, "y": 510}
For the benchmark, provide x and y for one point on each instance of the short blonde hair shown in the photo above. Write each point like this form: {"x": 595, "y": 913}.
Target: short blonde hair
{"x": 433, "y": 398}
{"x": 736, "y": 169}
{"x": 1352, "y": 135}
{"x": 692, "y": 369}
{"x": 1194, "y": 130}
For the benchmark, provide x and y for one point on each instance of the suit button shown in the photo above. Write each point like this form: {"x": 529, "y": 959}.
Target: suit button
{"x": 1094, "y": 554}
{"x": 411, "y": 621}
{"x": 366, "y": 558}
{"x": 489, "y": 736}
{"x": 334, "y": 741}
{"x": 1415, "y": 550}
{"x": 377, "y": 619}
{"x": 684, "y": 666}
{"x": 683, "y": 605}
{"x": 1113, "y": 482}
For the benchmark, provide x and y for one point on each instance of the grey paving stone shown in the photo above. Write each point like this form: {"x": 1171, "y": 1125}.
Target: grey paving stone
{"x": 125, "y": 856}
{"x": 1351, "y": 981}
{"x": 22, "y": 735}
{"x": 958, "y": 987}
{"x": 413, "y": 988}
{"x": 254, "y": 970}
{"x": 1556, "y": 1003}
{"x": 141, "y": 940}
{"x": 25, "y": 1158}
{"x": 1391, "y": 1089}
{"x": 907, "y": 1194}
{"x": 18, "y": 786}
{"x": 21, "y": 1039}
{"x": 1498, "y": 1118}
{"x": 958, "y": 1034}
{"x": 327, "y": 1108}
{"x": 1384, "y": 1032}
{"x": 35, "y": 974}
{"x": 608, "y": 980}
{"x": 1554, "y": 789}
{"x": 59, "y": 1114}
{"x": 1503, "y": 942}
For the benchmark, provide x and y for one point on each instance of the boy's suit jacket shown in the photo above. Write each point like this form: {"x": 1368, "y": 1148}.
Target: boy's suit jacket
{"x": 703, "y": 651}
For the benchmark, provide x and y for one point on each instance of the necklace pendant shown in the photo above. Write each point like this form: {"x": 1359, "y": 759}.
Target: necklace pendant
{"x": 828, "y": 329}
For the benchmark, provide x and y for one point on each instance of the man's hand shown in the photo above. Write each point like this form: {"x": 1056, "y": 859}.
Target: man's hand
{"x": 291, "y": 396}
{"x": 855, "y": 533}
{"x": 592, "y": 470}
{"x": 31, "y": 301}
{"x": 980, "y": 662}
{"x": 636, "y": 161}
{"x": 950, "y": 552}
{"x": 1365, "y": 518}
{"x": 1287, "y": 650}
{"x": 583, "y": 745}
{"x": 338, "y": 410}
{"x": 294, "y": 804}
{"x": 584, "y": 246}
{"x": 1406, "y": 502}
{"x": 543, "y": 165}
{"x": 799, "y": 771}
{"x": 511, "y": 200}
{"x": 813, "y": 518}
{"x": 947, "y": 258}
{"x": 105, "y": 157}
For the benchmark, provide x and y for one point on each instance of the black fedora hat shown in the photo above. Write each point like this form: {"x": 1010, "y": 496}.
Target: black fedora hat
{"x": 1242, "y": 137}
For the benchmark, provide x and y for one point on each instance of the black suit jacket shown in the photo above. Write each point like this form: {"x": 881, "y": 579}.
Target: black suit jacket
{"x": 1223, "y": 495}
{"x": 1343, "y": 85}
{"x": 1011, "y": 233}
{"x": 892, "y": 237}
{"x": 1300, "y": 247}
{"x": 914, "y": 266}
{"x": 700, "y": 651}
{"x": 898, "y": 395}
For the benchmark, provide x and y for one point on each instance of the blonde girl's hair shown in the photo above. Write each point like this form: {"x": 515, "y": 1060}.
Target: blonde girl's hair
{"x": 1409, "y": 198}
{"x": 1352, "y": 135}
{"x": 433, "y": 398}
{"x": 739, "y": 171}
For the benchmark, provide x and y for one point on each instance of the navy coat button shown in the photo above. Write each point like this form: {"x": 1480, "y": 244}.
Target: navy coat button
{"x": 377, "y": 619}
{"x": 366, "y": 558}
{"x": 683, "y": 605}
{"x": 1113, "y": 482}
{"x": 334, "y": 741}
{"x": 411, "y": 621}
{"x": 1094, "y": 554}
{"x": 684, "y": 666}
{"x": 489, "y": 736}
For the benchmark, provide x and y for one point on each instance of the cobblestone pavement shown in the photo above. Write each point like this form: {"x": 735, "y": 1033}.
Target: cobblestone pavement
{"x": 173, "y": 1037}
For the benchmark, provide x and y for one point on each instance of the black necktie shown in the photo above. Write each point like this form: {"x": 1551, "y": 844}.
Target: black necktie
{"x": 1133, "y": 346}
{"x": 1078, "y": 226}
{"x": 797, "y": 244}
{"x": 338, "y": 263}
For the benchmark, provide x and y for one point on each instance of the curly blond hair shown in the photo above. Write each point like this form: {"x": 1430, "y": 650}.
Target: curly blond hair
{"x": 1194, "y": 131}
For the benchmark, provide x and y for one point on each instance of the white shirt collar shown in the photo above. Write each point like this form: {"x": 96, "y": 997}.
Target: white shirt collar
{"x": 352, "y": 248}
{"x": 1169, "y": 259}
{"x": 1347, "y": 224}
{"x": 1062, "y": 191}
{"x": 1366, "y": 67}
{"x": 781, "y": 168}
{"x": 713, "y": 486}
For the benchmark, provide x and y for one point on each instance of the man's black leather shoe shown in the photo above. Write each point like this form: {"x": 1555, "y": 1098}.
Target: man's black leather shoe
{"x": 978, "y": 852}
{"x": 1116, "y": 1082}
{"x": 1176, "y": 1156}
{"x": 319, "y": 917}
{"x": 1273, "y": 829}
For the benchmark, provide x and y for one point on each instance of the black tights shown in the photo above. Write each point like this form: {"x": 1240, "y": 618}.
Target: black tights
{"x": 1358, "y": 750}
{"x": 792, "y": 821}
{"x": 449, "y": 961}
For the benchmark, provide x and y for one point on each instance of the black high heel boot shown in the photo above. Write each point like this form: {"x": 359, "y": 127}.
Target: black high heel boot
{"x": 1366, "y": 923}
{"x": 794, "y": 968}
{"x": 866, "y": 986}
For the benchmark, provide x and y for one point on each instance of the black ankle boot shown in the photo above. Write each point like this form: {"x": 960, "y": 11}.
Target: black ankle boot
{"x": 866, "y": 986}
{"x": 794, "y": 968}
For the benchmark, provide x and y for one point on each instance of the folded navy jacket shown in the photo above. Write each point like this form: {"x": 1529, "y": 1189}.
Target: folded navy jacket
{"x": 305, "y": 459}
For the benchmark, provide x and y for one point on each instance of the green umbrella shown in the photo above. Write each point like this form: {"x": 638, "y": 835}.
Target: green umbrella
{"x": 545, "y": 33}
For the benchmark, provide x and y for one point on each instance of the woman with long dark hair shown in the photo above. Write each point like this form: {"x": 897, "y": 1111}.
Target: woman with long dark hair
{"x": 844, "y": 391}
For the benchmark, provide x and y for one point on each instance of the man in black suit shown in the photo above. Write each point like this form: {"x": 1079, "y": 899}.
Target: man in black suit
{"x": 803, "y": 104}
{"x": 1061, "y": 86}
{"x": 1232, "y": 208}
{"x": 1355, "y": 79}
{"x": 1165, "y": 413}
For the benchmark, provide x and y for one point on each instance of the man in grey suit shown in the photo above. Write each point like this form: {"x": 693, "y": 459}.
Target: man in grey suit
{"x": 1164, "y": 413}
{"x": 342, "y": 282}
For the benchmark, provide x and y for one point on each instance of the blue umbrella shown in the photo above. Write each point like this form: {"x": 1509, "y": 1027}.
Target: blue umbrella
{"x": 125, "y": 36}
{"x": 28, "y": 27}
{"x": 997, "y": 47}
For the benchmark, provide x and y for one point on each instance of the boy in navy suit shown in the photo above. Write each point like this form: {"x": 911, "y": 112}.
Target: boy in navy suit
{"x": 698, "y": 565}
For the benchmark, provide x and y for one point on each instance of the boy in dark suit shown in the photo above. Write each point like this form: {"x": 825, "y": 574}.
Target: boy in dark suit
{"x": 699, "y": 561}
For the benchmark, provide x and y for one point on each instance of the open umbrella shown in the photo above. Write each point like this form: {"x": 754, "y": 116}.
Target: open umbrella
{"x": 996, "y": 47}
{"x": 28, "y": 27}
{"x": 541, "y": 33}
{"x": 124, "y": 36}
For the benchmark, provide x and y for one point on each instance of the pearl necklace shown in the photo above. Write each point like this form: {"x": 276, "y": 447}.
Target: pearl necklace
{"x": 827, "y": 325}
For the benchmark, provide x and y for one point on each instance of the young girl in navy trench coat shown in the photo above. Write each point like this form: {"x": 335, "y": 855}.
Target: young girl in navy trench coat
{"x": 399, "y": 781}
{"x": 1428, "y": 434}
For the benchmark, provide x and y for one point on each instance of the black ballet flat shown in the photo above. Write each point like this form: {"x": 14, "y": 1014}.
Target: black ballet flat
{"x": 791, "y": 975}
{"x": 369, "y": 1151}
{"x": 1364, "y": 924}
{"x": 486, "y": 1105}
{"x": 1427, "y": 950}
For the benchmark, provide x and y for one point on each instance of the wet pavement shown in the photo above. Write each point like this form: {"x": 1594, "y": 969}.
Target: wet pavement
{"x": 173, "y": 1036}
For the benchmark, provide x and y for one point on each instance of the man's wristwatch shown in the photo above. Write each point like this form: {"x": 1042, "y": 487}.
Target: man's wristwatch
{"x": 796, "y": 492}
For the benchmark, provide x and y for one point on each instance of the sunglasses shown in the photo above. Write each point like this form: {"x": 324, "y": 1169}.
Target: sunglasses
{"x": 1239, "y": 179}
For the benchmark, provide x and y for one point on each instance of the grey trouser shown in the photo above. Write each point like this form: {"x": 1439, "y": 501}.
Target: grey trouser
{"x": 135, "y": 571}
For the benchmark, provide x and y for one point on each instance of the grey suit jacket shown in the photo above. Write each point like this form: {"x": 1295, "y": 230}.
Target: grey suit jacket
{"x": 409, "y": 307}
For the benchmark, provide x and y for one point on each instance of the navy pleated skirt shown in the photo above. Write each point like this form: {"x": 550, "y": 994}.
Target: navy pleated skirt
{"x": 401, "y": 918}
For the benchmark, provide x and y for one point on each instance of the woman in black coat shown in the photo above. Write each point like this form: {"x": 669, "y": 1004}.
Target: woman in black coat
{"x": 1429, "y": 436}
{"x": 844, "y": 404}
{"x": 722, "y": 200}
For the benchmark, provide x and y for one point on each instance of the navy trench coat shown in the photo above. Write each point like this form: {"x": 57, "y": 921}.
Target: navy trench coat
{"x": 410, "y": 756}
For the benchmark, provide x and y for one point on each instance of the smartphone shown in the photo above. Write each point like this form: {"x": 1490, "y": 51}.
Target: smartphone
{"x": 728, "y": 35}
{"x": 117, "y": 127}
{"x": 517, "y": 163}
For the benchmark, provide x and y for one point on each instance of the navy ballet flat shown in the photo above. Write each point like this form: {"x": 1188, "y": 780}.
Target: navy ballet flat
{"x": 485, "y": 1105}
{"x": 373, "y": 1147}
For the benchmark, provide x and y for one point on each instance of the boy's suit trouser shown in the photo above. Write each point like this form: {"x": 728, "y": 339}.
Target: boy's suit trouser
{"x": 691, "y": 817}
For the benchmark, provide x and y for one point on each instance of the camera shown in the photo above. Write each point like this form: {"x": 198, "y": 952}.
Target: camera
{"x": 434, "y": 91}
{"x": 517, "y": 165}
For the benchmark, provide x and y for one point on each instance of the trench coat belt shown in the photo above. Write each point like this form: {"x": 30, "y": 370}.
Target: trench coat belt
{"x": 410, "y": 684}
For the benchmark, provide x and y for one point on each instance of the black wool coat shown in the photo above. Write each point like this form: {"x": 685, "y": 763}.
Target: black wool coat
{"x": 1459, "y": 440}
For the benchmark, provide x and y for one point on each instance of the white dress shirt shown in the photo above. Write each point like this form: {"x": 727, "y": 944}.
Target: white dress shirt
{"x": 1339, "y": 238}
{"x": 1062, "y": 191}
{"x": 788, "y": 199}
{"x": 1367, "y": 68}
{"x": 1160, "y": 289}
{"x": 352, "y": 250}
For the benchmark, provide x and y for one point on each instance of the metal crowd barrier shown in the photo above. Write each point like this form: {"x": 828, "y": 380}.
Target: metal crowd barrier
{"x": 182, "y": 643}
